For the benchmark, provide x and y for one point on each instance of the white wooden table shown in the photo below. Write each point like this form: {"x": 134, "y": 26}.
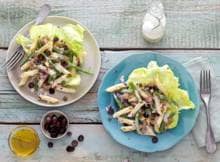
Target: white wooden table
{"x": 193, "y": 29}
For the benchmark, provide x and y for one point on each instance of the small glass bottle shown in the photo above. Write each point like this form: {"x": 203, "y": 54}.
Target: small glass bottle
{"x": 154, "y": 22}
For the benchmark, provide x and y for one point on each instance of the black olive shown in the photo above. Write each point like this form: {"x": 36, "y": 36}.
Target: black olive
{"x": 80, "y": 138}
{"x": 53, "y": 129}
{"x": 146, "y": 115}
{"x": 74, "y": 143}
{"x": 48, "y": 119}
{"x": 65, "y": 98}
{"x": 65, "y": 47}
{"x": 64, "y": 63}
{"x": 58, "y": 124}
{"x": 50, "y": 144}
{"x": 51, "y": 90}
{"x": 62, "y": 130}
{"x": 70, "y": 148}
{"x": 69, "y": 133}
{"x": 110, "y": 110}
{"x": 46, "y": 126}
{"x": 63, "y": 122}
{"x": 55, "y": 39}
{"x": 157, "y": 114}
{"x": 54, "y": 119}
{"x": 154, "y": 139}
{"x": 54, "y": 135}
{"x": 31, "y": 85}
{"x": 61, "y": 117}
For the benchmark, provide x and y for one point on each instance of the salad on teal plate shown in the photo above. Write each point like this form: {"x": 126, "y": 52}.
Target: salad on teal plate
{"x": 148, "y": 102}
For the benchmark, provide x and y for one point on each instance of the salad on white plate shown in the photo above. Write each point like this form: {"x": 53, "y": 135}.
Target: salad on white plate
{"x": 53, "y": 60}
{"x": 150, "y": 101}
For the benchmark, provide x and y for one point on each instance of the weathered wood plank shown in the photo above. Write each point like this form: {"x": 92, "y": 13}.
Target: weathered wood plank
{"x": 91, "y": 150}
{"x": 117, "y": 23}
{"x": 100, "y": 147}
{"x": 14, "y": 108}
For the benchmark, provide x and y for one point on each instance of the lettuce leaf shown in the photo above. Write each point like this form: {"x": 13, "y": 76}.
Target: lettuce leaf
{"x": 72, "y": 81}
{"x": 24, "y": 42}
{"x": 38, "y": 31}
{"x": 165, "y": 80}
{"x": 173, "y": 116}
{"x": 72, "y": 35}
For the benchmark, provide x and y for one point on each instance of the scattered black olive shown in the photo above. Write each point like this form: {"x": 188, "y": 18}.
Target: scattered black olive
{"x": 54, "y": 119}
{"x": 48, "y": 53}
{"x": 146, "y": 115}
{"x": 31, "y": 85}
{"x": 54, "y": 135}
{"x": 61, "y": 117}
{"x": 55, "y": 39}
{"x": 40, "y": 57}
{"x": 154, "y": 139}
{"x": 63, "y": 122}
{"x": 46, "y": 126}
{"x": 58, "y": 124}
{"x": 74, "y": 143}
{"x": 65, "y": 47}
{"x": 62, "y": 130}
{"x": 65, "y": 98}
{"x": 157, "y": 114}
{"x": 69, "y": 133}
{"x": 51, "y": 90}
{"x": 70, "y": 148}
{"x": 53, "y": 129}
{"x": 48, "y": 119}
{"x": 64, "y": 63}
{"x": 110, "y": 110}
{"x": 80, "y": 138}
{"x": 50, "y": 144}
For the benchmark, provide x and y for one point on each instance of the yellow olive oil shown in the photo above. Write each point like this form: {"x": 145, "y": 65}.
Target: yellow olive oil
{"x": 24, "y": 141}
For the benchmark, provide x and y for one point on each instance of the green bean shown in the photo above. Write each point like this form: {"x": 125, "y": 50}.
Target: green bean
{"x": 80, "y": 69}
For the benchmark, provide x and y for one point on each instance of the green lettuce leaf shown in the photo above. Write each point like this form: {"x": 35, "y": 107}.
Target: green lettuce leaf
{"x": 24, "y": 42}
{"x": 165, "y": 80}
{"x": 72, "y": 81}
{"x": 49, "y": 30}
{"x": 72, "y": 35}
{"x": 173, "y": 116}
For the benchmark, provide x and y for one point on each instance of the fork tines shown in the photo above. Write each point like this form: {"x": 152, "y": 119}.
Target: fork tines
{"x": 14, "y": 59}
{"x": 205, "y": 81}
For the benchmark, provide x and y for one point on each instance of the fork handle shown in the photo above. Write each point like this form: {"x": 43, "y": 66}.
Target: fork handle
{"x": 43, "y": 13}
{"x": 210, "y": 139}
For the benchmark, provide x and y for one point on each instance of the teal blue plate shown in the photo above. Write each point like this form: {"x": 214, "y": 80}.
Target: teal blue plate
{"x": 133, "y": 140}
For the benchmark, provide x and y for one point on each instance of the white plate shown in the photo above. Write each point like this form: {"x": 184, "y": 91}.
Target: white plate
{"x": 92, "y": 62}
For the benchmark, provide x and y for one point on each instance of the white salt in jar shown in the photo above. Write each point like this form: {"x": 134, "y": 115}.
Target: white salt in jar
{"x": 154, "y": 22}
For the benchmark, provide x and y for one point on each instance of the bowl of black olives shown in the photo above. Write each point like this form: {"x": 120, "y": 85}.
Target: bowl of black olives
{"x": 54, "y": 124}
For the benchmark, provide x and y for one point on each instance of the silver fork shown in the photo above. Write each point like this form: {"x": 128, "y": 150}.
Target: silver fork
{"x": 205, "y": 93}
{"x": 19, "y": 52}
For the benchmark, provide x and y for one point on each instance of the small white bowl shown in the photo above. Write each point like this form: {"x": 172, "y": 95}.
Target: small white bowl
{"x": 57, "y": 113}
